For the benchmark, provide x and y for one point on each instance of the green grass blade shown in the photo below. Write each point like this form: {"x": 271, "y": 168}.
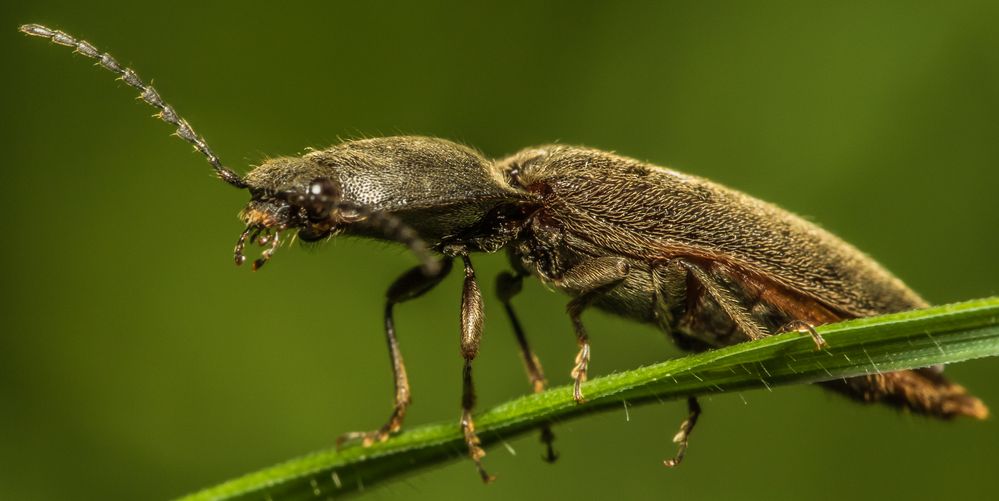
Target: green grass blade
{"x": 943, "y": 334}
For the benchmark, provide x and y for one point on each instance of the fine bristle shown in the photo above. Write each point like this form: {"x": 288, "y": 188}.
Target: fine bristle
{"x": 146, "y": 92}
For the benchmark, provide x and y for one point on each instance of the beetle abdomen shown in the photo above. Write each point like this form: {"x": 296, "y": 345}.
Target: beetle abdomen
{"x": 733, "y": 268}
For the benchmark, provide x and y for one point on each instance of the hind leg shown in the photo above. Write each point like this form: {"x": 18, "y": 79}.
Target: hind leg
{"x": 923, "y": 391}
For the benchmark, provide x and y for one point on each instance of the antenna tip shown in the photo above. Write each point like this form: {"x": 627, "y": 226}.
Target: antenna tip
{"x": 36, "y": 30}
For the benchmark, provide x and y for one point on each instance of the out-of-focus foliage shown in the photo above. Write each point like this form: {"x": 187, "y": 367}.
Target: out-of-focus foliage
{"x": 137, "y": 363}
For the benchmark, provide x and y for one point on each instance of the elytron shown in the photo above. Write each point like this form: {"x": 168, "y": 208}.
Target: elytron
{"x": 708, "y": 265}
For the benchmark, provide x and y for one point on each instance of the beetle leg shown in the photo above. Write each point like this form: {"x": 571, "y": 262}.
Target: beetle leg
{"x": 686, "y": 427}
{"x": 590, "y": 279}
{"x": 801, "y": 325}
{"x": 727, "y": 301}
{"x": 273, "y": 240}
{"x": 471, "y": 335}
{"x": 507, "y": 286}
{"x": 412, "y": 284}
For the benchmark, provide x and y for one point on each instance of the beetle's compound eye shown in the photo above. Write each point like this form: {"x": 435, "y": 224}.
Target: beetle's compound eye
{"x": 320, "y": 198}
{"x": 324, "y": 187}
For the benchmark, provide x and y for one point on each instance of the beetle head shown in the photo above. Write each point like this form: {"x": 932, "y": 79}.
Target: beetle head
{"x": 291, "y": 194}
{"x": 299, "y": 194}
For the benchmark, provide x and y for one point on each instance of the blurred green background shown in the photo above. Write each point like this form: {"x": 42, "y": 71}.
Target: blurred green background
{"x": 136, "y": 362}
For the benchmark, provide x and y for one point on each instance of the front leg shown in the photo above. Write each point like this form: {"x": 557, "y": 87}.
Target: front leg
{"x": 412, "y": 284}
{"x": 588, "y": 280}
{"x": 471, "y": 335}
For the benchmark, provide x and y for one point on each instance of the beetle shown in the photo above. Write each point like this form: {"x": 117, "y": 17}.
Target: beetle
{"x": 706, "y": 264}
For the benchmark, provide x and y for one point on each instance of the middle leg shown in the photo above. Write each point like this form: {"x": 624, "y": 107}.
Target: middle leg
{"x": 507, "y": 286}
{"x": 682, "y": 436}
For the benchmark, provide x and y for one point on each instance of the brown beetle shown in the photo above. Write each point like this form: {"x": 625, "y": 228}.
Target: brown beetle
{"x": 709, "y": 265}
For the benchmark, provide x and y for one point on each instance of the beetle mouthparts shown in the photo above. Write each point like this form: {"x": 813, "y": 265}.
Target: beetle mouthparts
{"x": 262, "y": 236}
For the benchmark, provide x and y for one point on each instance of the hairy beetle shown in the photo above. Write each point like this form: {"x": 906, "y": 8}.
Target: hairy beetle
{"x": 708, "y": 265}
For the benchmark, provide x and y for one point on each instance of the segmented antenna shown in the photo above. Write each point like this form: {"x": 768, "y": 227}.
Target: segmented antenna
{"x": 146, "y": 92}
